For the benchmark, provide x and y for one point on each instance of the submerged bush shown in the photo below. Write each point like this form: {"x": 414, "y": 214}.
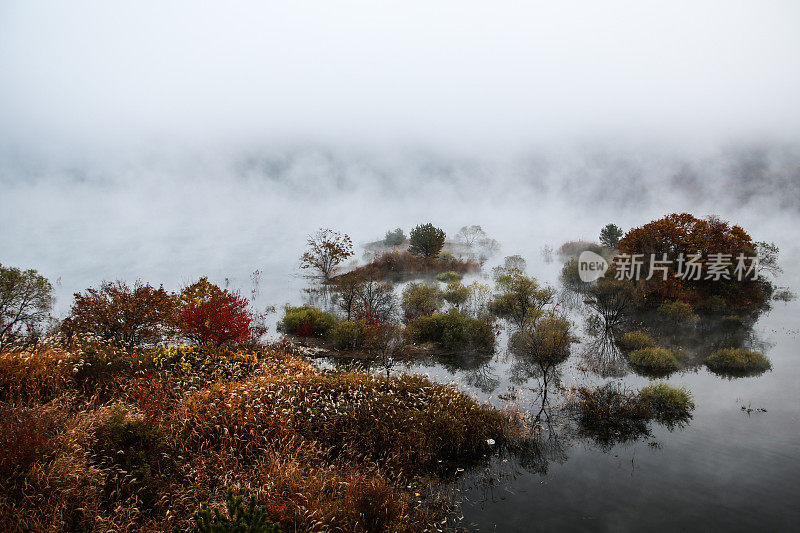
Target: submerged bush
{"x": 610, "y": 413}
{"x": 518, "y": 298}
{"x": 668, "y": 405}
{"x": 306, "y": 321}
{"x": 453, "y": 330}
{"x": 653, "y": 361}
{"x": 547, "y": 344}
{"x": 737, "y": 361}
{"x": 403, "y": 265}
{"x": 636, "y": 340}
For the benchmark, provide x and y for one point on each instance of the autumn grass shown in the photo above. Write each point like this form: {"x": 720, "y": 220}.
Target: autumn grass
{"x": 737, "y": 362}
{"x": 320, "y": 450}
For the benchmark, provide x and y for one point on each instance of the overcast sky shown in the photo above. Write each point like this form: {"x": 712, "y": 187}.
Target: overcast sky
{"x": 94, "y": 73}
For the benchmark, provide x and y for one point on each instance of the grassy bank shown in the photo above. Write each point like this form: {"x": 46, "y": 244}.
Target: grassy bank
{"x": 98, "y": 438}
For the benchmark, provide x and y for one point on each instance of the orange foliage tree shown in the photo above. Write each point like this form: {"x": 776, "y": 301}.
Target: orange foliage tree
{"x": 128, "y": 315}
{"x": 684, "y": 234}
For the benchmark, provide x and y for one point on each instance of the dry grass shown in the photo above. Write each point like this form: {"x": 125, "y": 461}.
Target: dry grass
{"x": 104, "y": 440}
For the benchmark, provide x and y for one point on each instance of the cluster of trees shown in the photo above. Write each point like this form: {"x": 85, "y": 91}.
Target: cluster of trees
{"x": 327, "y": 249}
{"x": 681, "y": 235}
{"x": 143, "y": 315}
{"x": 456, "y": 315}
{"x": 132, "y": 316}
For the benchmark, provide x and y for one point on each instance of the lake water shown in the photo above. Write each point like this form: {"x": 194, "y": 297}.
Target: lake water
{"x": 167, "y": 222}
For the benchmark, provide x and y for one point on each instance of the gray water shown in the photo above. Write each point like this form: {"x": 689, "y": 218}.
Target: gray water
{"x": 172, "y": 219}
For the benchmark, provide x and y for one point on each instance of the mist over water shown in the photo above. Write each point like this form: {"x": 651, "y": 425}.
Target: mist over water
{"x": 172, "y": 217}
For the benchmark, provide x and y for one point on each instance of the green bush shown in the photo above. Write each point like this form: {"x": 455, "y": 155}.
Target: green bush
{"x": 668, "y": 404}
{"x": 612, "y": 414}
{"x": 653, "y": 361}
{"x": 547, "y": 344}
{"x": 426, "y": 240}
{"x": 347, "y": 334}
{"x": 239, "y": 519}
{"x": 446, "y": 258}
{"x": 306, "y": 321}
{"x": 636, "y": 340}
{"x": 421, "y": 299}
{"x": 456, "y": 293}
{"x": 454, "y": 331}
{"x": 394, "y": 238}
{"x": 570, "y": 277}
{"x": 449, "y": 276}
{"x": 676, "y": 312}
{"x": 737, "y": 361}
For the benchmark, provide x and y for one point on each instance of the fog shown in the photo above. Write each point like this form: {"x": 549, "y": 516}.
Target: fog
{"x": 168, "y": 140}
{"x": 451, "y": 72}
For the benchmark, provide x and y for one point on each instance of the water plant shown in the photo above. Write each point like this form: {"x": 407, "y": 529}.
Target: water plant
{"x": 669, "y": 405}
{"x": 636, "y": 340}
{"x": 653, "y": 361}
{"x": 737, "y": 362}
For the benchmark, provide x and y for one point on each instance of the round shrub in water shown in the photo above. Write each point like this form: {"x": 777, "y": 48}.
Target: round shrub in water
{"x": 636, "y": 340}
{"x": 653, "y": 361}
{"x": 737, "y": 362}
{"x": 448, "y": 276}
{"x": 668, "y": 404}
{"x": 306, "y": 321}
